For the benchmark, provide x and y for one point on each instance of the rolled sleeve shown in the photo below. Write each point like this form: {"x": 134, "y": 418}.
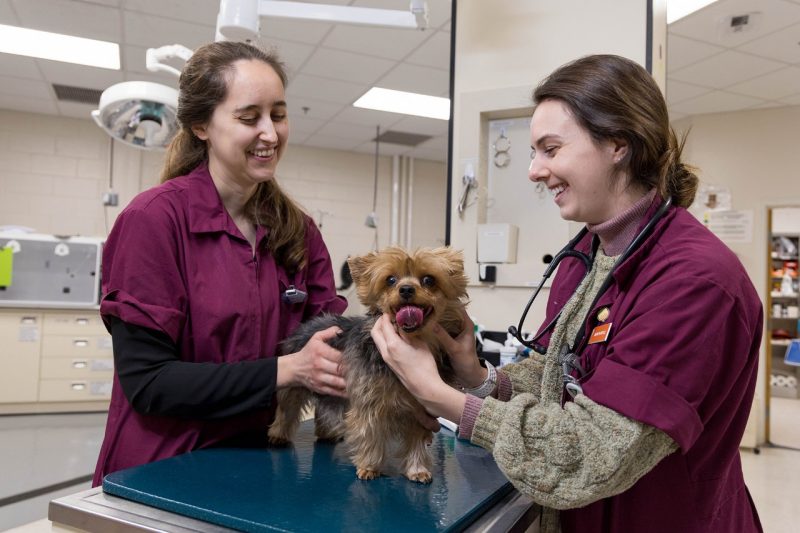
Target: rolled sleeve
{"x": 656, "y": 405}
{"x": 141, "y": 271}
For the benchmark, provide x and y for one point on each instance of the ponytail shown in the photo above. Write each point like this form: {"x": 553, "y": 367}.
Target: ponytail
{"x": 677, "y": 179}
{"x": 184, "y": 153}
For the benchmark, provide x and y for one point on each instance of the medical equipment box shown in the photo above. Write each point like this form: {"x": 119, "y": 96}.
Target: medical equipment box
{"x": 51, "y": 271}
{"x": 497, "y": 243}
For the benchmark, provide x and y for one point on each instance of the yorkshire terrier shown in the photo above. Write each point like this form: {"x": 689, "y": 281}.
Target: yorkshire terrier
{"x": 417, "y": 289}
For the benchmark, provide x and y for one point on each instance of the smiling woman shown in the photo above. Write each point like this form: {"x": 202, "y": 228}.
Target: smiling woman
{"x": 196, "y": 272}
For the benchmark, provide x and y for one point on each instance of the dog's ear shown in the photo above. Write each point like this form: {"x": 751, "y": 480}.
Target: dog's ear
{"x": 359, "y": 265}
{"x": 452, "y": 257}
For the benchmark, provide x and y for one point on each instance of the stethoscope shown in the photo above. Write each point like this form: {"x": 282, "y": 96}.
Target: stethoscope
{"x": 570, "y": 354}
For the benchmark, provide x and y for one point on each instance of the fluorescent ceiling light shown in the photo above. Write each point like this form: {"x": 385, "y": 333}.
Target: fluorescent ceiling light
{"x": 58, "y": 47}
{"x": 420, "y": 105}
{"x": 677, "y": 9}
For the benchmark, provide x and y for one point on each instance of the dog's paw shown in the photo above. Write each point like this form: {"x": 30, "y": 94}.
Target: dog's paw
{"x": 278, "y": 442}
{"x": 367, "y": 473}
{"x": 420, "y": 477}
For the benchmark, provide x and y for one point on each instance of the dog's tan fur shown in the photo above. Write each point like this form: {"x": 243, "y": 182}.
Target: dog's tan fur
{"x": 380, "y": 409}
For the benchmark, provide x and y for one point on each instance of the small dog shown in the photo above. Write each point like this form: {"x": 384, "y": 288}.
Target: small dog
{"x": 418, "y": 290}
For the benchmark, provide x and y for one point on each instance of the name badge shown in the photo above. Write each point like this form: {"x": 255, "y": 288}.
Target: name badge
{"x": 600, "y": 333}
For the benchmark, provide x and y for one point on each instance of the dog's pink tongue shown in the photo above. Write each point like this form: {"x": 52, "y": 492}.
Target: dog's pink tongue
{"x": 409, "y": 317}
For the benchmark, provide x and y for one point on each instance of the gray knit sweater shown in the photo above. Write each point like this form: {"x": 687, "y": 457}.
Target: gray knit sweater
{"x": 566, "y": 457}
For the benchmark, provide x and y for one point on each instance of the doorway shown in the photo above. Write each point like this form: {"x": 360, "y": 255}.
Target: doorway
{"x": 783, "y": 327}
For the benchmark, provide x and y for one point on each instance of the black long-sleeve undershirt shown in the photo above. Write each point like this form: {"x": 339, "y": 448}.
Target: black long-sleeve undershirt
{"x": 156, "y": 382}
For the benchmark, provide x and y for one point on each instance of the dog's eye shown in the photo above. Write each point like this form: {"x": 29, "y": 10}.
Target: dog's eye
{"x": 391, "y": 281}
{"x": 428, "y": 281}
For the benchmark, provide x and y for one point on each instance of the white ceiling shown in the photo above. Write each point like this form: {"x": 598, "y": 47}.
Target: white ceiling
{"x": 708, "y": 69}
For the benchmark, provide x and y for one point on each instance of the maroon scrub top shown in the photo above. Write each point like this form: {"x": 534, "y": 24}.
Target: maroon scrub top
{"x": 175, "y": 262}
{"x": 682, "y": 356}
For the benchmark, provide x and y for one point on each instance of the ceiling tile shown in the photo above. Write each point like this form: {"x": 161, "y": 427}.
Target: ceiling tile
{"x": 31, "y": 105}
{"x": 338, "y": 65}
{"x": 674, "y": 115}
{"x": 767, "y": 105}
{"x": 354, "y": 132}
{"x": 325, "y": 90}
{"x": 781, "y": 45}
{"x": 715, "y": 102}
{"x": 772, "y": 86}
{"x": 709, "y": 24}
{"x": 71, "y": 18}
{"x": 21, "y": 67}
{"x": 424, "y": 80}
{"x": 153, "y": 31}
{"x": 198, "y": 11}
{"x": 374, "y": 41}
{"x": 293, "y": 55}
{"x": 422, "y": 125}
{"x": 792, "y": 100}
{"x": 79, "y": 75}
{"x": 316, "y": 109}
{"x": 369, "y": 117}
{"x": 682, "y": 51}
{"x": 302, "y": 31}
{"x": 330, "y": 141}
{"x": 301, "y": 127}
{"x": 678, "y": 91}
{"x": 725, "y": 69}
{"x": 435, "y": 52}
{"x": 7, "y": 15}
{"x": 23, "y": 87}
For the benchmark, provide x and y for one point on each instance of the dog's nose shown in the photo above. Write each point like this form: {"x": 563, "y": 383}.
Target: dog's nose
{"x": 407, "y": 292}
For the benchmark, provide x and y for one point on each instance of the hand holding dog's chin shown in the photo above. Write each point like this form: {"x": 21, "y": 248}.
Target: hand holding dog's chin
{"x": 461, "y": 351}
{"x": 414, "y": 365}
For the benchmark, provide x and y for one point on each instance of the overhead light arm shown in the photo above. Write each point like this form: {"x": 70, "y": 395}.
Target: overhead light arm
{"x": 143, "y": 114}
{"x": 239, "y": 19}
{"x": 155, "y": 56}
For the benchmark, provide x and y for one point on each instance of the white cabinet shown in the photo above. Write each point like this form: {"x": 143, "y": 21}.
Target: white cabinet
{"x": 54, "y": 360}
{"x": 20, "y": 346}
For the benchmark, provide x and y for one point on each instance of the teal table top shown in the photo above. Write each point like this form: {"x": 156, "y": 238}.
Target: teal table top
{"x": 312, "y": 487}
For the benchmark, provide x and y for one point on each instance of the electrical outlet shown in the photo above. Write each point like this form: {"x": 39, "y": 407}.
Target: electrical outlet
{"x": 110, "y": 199}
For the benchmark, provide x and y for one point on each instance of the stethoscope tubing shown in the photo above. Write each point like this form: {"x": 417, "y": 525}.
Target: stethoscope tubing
{"x": 588, "y": 260}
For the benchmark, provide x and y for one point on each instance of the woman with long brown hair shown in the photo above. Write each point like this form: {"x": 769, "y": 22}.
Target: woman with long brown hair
{"x": 629, "y": 413}
{"x": 204, "y": 275}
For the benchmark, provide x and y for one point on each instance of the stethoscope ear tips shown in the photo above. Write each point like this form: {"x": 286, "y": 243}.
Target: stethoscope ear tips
{"x": 547, "y": 259}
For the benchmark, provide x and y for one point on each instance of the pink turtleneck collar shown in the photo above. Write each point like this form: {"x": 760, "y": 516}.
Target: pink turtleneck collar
{"x": 617, "y": 233}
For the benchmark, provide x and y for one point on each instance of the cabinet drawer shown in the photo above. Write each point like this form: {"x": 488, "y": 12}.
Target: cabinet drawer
{"x": 20, "y": 342}
{"x": 77, "y": 346}
{"x": 77, "y": 369}
{"x": 74, "y": 323}
{"x": 74, "y": 390}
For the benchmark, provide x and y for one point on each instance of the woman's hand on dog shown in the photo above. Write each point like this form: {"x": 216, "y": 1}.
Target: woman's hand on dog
{"x": 414, "y": 365}
{"x": 462, "y": 352}
{"x": 316, "y": 366}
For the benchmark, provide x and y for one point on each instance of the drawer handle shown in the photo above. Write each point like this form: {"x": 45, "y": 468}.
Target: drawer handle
{"x": 78, "y": 386}
{"x": 81, "y": 343}
{"x": 28, "y": 320}
{"x": 82, "y": 321}
{"x": 80, "y": 364}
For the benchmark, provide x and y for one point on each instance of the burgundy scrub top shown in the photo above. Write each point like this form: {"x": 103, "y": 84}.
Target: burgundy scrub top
{"x": 175, "y": 262}
{"x": 682, "y": 356}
